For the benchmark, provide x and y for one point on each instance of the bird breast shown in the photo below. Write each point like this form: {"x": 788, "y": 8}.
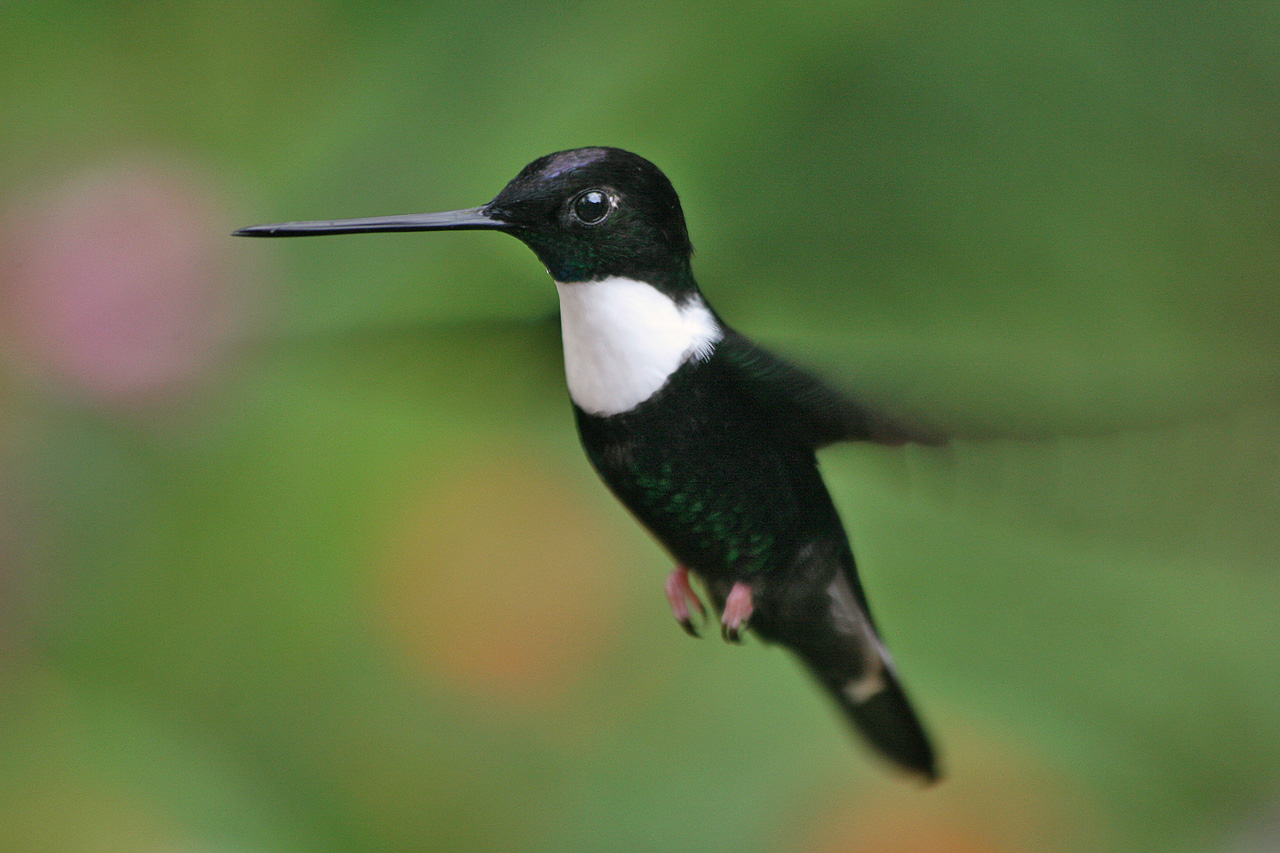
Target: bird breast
{"x": 624, "y": 338}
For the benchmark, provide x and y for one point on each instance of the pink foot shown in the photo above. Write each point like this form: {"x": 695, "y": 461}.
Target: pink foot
{"x": 737, "y": 611}
{"x": 681, "y": 595}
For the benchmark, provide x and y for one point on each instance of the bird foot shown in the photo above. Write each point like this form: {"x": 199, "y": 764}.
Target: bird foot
{"x": 737, "y": 612}
{"x": 681, "y": 596}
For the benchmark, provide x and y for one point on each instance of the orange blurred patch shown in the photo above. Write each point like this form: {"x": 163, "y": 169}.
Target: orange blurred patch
{"x": 994, "y": 798}
{"x": 500, "y": 579}
{"x": 897, "y": 828}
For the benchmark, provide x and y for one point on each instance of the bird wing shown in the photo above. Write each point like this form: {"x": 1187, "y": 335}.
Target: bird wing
{"x": 822, "y": 413}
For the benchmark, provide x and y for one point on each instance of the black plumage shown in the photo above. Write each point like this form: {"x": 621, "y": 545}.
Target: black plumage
{"x": 719, "y": 465}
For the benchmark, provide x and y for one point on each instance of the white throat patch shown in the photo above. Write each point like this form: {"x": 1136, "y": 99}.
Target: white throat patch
{"x": 624, "y": 338}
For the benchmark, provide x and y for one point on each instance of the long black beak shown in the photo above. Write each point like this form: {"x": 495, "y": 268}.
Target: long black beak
{"x": 472, "y": 219}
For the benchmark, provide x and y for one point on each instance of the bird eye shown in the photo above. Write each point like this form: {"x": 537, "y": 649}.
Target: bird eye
{"x": 592, "y": 207}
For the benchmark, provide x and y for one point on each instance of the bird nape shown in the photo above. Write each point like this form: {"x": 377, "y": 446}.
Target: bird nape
{"x": 708, "y": 439}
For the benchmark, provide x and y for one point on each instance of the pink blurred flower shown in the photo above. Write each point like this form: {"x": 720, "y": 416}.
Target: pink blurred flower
{"x": 117, "y": 283}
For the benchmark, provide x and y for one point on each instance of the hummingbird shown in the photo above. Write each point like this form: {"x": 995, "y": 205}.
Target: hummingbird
{"x": 707, "y": 438}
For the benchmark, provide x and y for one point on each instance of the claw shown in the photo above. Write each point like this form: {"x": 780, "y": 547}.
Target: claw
{"x": 681, "y": 595}
{"x": 737, "y": 612}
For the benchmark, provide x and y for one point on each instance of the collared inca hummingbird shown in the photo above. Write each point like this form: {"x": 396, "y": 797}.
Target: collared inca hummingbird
{"x": 708, "y": 439}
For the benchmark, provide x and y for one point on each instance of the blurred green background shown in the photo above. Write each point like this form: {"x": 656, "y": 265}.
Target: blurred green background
{"x": 298, "y": 551}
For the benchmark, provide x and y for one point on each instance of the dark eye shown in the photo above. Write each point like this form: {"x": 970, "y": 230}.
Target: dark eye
{"x": 592, "y": 207}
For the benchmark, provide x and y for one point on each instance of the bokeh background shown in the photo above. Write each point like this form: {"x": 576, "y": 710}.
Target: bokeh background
{"x": 298, "y": 551}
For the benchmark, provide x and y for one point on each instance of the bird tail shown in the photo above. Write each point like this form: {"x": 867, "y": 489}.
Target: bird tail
{"x": 847, "y": 657}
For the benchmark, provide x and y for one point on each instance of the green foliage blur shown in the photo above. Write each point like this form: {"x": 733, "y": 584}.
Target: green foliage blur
{"x": 298, "y": 552}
